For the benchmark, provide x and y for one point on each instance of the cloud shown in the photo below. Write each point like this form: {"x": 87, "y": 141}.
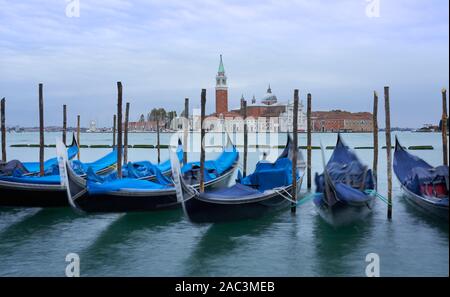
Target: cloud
{"x": 164, "y": 51}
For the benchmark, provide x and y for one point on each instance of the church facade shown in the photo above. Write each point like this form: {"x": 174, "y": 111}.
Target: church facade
{"x": 267, "y": 115}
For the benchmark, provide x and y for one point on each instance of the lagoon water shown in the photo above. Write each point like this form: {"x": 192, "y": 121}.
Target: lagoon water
{"x": 35, "y": 242}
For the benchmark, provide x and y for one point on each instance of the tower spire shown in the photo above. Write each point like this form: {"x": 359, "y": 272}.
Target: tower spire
{"x": 221, "y": 90}
{"x": 221, "y": 68}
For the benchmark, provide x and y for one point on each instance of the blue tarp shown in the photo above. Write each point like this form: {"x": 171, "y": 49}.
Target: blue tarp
{"x": 346, "y": 173}
{"x": 404, "y": 163}
{"x": 53, "y": 177}
{"x": 110, "y": 183}
{"x": 235, "y": 191}
{"x": 124, "y": 183}
{"x": 103, "y": 184}
{"x": 270, "y": 175}
{"x": 102, "y": 163}
{"x": 413, "y": 172}
{"x": 147, "y": 168}
{"x": 51, "y": 164}
{"x": 214, "y": 168}
{"x": 42, "y": 180}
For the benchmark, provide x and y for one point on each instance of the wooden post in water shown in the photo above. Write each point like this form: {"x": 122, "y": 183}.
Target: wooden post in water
{"x": 64, "y": 129}
{"x": 3, "y": 128}
{"x": 294, "y": 152}
{"x": 308, "y": 140}
{"x": 244, "y": 107}
{"x": 119, "y": 129}
{"x": 125, "y": 140}
{"x": 388, "y": 150}
{"x": 375, "y": 137}
{"x": 114, "y": 130}
{"x": 186, "y": 129}
{"x": 41, "y": 130}
{"x": 202, "y": 140}
{"x": 444, "y": 127}
{"x": 157, "y": 140}
{"x": 78, "y": 135}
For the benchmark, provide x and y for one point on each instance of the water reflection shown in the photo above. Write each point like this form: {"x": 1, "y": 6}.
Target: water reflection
{"x": 221, "y": 239}
{"x": 41, "y": 220}
{"x": 124, "y": 232}
{"x": 419, "y": 214}
{"x": 334, "y": 245}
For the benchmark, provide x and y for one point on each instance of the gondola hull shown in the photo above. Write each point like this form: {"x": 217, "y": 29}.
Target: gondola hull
{"x": 200, "y": 210}
{"x": 26, "y": 195}
{"x": 342, "y": 214}
{"x": 424, "y": 205}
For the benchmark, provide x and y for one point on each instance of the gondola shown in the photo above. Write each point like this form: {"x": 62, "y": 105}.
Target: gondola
{"x": 426, "y": 187}
{"x": 110, "y": 194}
{"x": 31, "y": 190}
{"x": 263, "y": 191}
{"x": 344, "y": 191}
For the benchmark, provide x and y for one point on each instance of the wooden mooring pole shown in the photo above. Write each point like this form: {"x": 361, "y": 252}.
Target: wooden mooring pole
{"x": 444, "y": 127}
{"x": 308, "y": 140}
{"x": 125, "y": 140}
{"x": 41, "y": 130}
{"x": 295, "y": 151}
{"x": 202, "y": 140}
{"x": 388, "y": 151}
{"x": 158, "y": 144}
{"x": 186, "y": 129}
{"x": 244, "y": 107}
{"x": 64, "y": 129}
{"x": 114, "y": 130}
{"x": 3, "y": 128}
{"x": 375, "y": 137}
{"x": 78, "y": 135}
{"x": 119, "y": 129}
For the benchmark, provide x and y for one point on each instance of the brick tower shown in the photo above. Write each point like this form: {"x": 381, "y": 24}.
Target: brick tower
{"x": 221, "y": 90}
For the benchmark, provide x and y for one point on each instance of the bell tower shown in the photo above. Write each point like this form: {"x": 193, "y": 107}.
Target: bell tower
{"x": 221, "y": 90}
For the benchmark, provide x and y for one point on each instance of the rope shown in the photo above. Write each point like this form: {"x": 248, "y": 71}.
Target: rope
{"x": 305, "y": 199}
{"x": 288, "y": 197}
{"x": 378, "y": 195}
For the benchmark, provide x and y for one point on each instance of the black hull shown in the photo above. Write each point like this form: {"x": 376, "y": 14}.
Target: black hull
{"x": 34, "y": 195}
{"x": 11, "y": 197}
{"x": 200, "y": 211}
{"x": 114, "y": 203}
{"x": 425, "y": 207}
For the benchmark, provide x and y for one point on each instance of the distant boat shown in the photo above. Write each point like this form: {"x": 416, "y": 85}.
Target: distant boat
{"x": 263, "y": 191}
{"x": 426, "y": 187}
{"x": 342, "y": 189}
{"x": 110, "y": 194}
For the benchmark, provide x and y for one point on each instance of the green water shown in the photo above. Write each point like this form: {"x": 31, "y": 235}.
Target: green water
{"x": 35, "y": 242}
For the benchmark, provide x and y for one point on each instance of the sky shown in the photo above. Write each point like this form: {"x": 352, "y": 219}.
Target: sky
{"x": 165, "y": 50}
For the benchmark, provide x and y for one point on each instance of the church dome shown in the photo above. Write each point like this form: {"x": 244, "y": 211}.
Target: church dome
{"x": 269, "y": 98}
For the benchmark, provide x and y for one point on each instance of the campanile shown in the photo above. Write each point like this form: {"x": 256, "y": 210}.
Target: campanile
{"x": 221, "y": 90}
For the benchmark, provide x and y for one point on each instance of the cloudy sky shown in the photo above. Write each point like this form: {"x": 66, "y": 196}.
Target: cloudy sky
{"x": 166, "y": 50}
